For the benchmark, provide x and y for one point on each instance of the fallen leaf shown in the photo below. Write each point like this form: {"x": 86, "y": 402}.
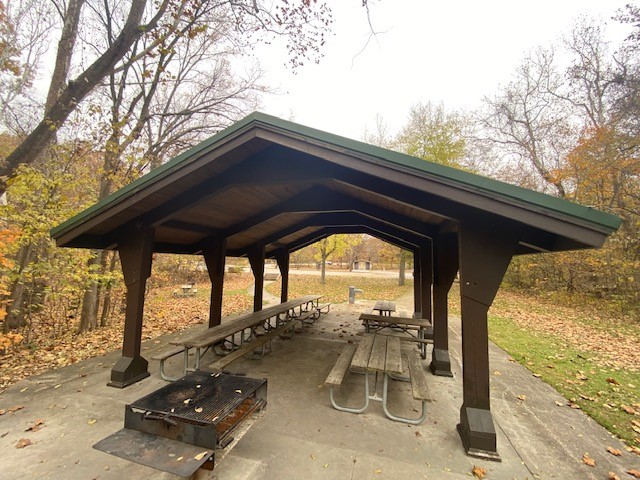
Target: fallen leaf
{"x": 12, "y": 409}
{"x": 92, "y": 421}
{"x": 629, "y": 410}
{"x": 200, "y": 456}
{"x": 479, "y": 472}
{"x": 613, "y": 476}
{"x": 325, "y": 465}
{"x": 312, "y": 456}
{"x": 199, "y": 410}
{"x": 612, "y": 381}
{"x": 58, "y": 386}
{"x": 575, "y": 406}
{"x": 418, "y": 434}
{"x": 36, "y": 426}
{"x": 23, "y": 442}
{"x": 377, "y": 472}
{"x": 187, "y": 401}
{"x": 559, "y": 403}
{"x": 522, "y": 397}
{"x": 634, "y": 472}
{"x": 587, "y": 460}
{"x": 179, "y": 459}
{"x": 537, "y": 375}
{"x": 614, "y": 451}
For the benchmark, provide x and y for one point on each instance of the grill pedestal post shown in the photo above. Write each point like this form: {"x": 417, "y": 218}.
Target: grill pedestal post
{"x": 128, "y": 370}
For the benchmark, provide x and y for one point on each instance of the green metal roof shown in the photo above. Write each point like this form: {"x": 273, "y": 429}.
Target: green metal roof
{"x": 490, "y": 187}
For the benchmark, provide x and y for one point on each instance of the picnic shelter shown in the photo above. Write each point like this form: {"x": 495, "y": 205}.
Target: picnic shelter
{"x": 265, "y": 187}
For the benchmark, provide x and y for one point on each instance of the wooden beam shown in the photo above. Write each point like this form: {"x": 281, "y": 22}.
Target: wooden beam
{"x": 256, "y": 259}
{"x": 333, "y": 230}
{"x": 136, "y": 251}
{"x": 319, "y": 199}
{"x": 485, "y": 252}
{"x": 214, "y": 256}
{"x": 342, "y": 219}
{"x": 282, "y": 257}
{"x": 426, "y": 279}
{"x": 444, "y": 197}
{"x": 262, "y": 169}
{"x": 445, "y": 267}
{"x": 417, "y": 284}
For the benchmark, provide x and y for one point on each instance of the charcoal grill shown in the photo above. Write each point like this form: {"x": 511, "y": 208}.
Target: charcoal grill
{"x": 179, "y": 427}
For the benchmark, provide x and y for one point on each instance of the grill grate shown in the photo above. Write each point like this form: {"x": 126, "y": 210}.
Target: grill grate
{"x": 200, "y": 397}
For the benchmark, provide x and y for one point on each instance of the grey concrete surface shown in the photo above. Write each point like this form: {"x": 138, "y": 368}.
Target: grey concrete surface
{"x": 300, "y": 435}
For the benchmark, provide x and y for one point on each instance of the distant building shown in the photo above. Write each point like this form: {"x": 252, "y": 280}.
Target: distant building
{"x": 362, "y": 265}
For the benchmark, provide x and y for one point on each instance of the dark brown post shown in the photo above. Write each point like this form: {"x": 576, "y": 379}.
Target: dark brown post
{"x": 282, "y": 257}
{"x": 136, "y": 249}
{"x": 445, "y": 267}
{"x": 426, "y": 277}
{"x": 485, "y": 253}
{"x": 256, "y": 259}
{"x": 214, "y": 257}
{"x": 417, "y": 284}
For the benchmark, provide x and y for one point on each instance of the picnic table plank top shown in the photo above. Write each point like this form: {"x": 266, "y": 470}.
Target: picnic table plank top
{"x": 393, "y": 361}
{"x": 363, "y": 352}
{"x": 385, "y": 306}
{"x": 378, "y": 353}
{"x": 242, "y": 322}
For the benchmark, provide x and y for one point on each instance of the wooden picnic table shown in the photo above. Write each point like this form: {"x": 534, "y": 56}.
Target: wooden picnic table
{"x": 380, "y": 355}
{"x": 239, "y": 330}
{"x": 188, "y": 290}
{"x": 385, "y": 307}
{"x": 423, "y": 327}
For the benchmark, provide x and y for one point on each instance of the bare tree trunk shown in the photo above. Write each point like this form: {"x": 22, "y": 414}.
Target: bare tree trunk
{"x": 72, "y": 93}
{"x": 15, "y": 311}
{"x": 88, "y": 320}
{"x": 66, "y": 46}
{"x": 106, "y": 303}
{"x": 401, "y": 273}
{"x": 323, "y": 270}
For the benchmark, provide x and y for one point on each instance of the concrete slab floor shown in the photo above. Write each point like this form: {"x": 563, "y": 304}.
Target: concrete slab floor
{"x": 300, "y": 435}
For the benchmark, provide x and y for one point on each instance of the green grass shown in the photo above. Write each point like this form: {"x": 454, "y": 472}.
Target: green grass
{"x": 600, "y": 392}
{"x": 336, "y": 288}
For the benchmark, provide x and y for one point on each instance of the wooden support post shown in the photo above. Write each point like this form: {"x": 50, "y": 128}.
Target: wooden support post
{"x": 426, "y": 276}
{"x": 256, "y": 259}
{"x": 282, "y": 257}
{"x": 214, "y": 257}
{"x": 136, "y": 249}
{"x": 485, "y": 253}
{"x": 417, "y": 284}
{"x": 445, "y": 267}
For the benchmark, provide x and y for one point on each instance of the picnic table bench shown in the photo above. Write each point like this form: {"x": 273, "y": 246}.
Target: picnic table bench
{"x": 379, "y": 354}
{"x": 246, "y": 328}
{"x": 424, "y": 329}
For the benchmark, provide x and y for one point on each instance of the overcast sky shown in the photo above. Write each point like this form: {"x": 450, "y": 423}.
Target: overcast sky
{"x": 449, "y": 52}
